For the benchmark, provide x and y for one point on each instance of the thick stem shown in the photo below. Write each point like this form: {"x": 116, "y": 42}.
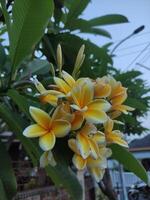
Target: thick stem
{"x": 107, "y": 187}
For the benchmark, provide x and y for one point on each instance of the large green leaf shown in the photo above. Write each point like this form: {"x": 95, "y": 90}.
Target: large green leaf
{"x": 22, "y": 102}
{"x": 108, "y": 20}
{"x": 3, "y": 56}
{"x": 2, "y": 191}
{"x": 6, "y": 172}
{"x": 68, "y": 179}
{"x": 16, "y": 125}
{"x": 30, "y": 18}
{"x": 130, "y": 163}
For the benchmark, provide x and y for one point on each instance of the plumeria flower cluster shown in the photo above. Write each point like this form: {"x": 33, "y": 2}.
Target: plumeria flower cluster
{"x": 85, "y": 111}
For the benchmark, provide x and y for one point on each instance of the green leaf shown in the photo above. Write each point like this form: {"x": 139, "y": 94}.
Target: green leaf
{"x": 68, "y": 179}
{"x": 6, "y": 15}
{"x": 3, "y": 56}
{"x": 2, "y": 191}
{"x": 15, "y": 124}
{"x": 30, "y": 18}
{"x": 75, "y": 9}
{"x": 136, "y": 103}
{"x": 108, "y": 20}
{"x": 7, "y": 175}
{"x": 85, "y": 27}
{"x": 22, "y": 102}
{"x": 129, "y": 162}
{"x": 36, "y": 66}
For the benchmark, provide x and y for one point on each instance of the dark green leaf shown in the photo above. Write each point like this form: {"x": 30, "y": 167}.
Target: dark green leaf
{"x": 3, "y": 56}
{"x": 36, "y": 67}
{"x": 75, "y": 9}
{"x": 85, "y": 27}
{"x": 108, "y": 20}
{"x": 20, "y": 100}
{"x": 136, "y": 103}
{"x": 6, "y": 15}
{"x": 2, "y": 191}
{"x": 6, "y": 172}
{"x": 14, "y": 122}
{"x": 30, "y": 18}
{"x": 130, "y": 163}
{"x": 68, "y": 179}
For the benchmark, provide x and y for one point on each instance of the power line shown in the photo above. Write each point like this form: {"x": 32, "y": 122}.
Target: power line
{"x": 132, "y": 46}
{"x": 143, "y": 66}
{"x": 145, "y": 58}
{"x": 141, "y": 52}
{"x": 130, "y": 53}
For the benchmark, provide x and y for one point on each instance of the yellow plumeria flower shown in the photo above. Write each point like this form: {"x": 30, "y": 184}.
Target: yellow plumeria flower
{"x": 113, "y": 136}
{"x": 47, "y": 96}
{"x": 117, "y": 97}
{"x": 93, "y": 110}
{"x": 86, "y": 144}
{"x": 101, "y": 88}
{"x": 65, "y": 112}
{"x": 46, "y": 128}
{"x": 95, "y": 166}
{"x": 66, "y": 83}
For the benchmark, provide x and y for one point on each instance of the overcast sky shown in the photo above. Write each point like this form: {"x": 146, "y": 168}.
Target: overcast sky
{"x": 138, "y": 13}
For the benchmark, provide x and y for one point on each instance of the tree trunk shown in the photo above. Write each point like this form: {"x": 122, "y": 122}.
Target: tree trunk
{"x": 107, "y": 187}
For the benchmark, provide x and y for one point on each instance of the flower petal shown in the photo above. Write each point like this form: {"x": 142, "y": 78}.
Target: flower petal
{"x": 100, "y": 162}
{"x": 61, "y": 127}
{"x": 102, "y": 90}
{"x": 47, "y": 141}
{"x": 51, "y": 96}
{"x": 99, "y": 138}
{"x": 68, "y": 78}
{"x": 46, "y": 159}
{"x": 77, "y": 121}
{"x": 64, "y": 87}
{"x": 99, "y": 104}
{"x": 83, "y": 145}
{"x": 88, "y": 129}
{"x": 87, "y": 93}
{"x": 49, "y": 99}
{"x": 123, "y": 108}
{"x": 97, "y": 173}
{"x": 116, "y": 137}
{"x": 79, "y": 162}
{"x": 114, "y": 114}
{"x": 34, "y": 131}
{"x": 76, "y": 95}
{"x": 108, "y": 125}
{"x": 119, "y": 99}
{"x": 95, "y": 116}
{"x": 73, "y": 146}
{"x": 40, "y": 117}
{"x": 94, "y": 149}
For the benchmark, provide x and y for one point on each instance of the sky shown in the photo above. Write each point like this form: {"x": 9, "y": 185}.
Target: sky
{"x": 138, "y": 13}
